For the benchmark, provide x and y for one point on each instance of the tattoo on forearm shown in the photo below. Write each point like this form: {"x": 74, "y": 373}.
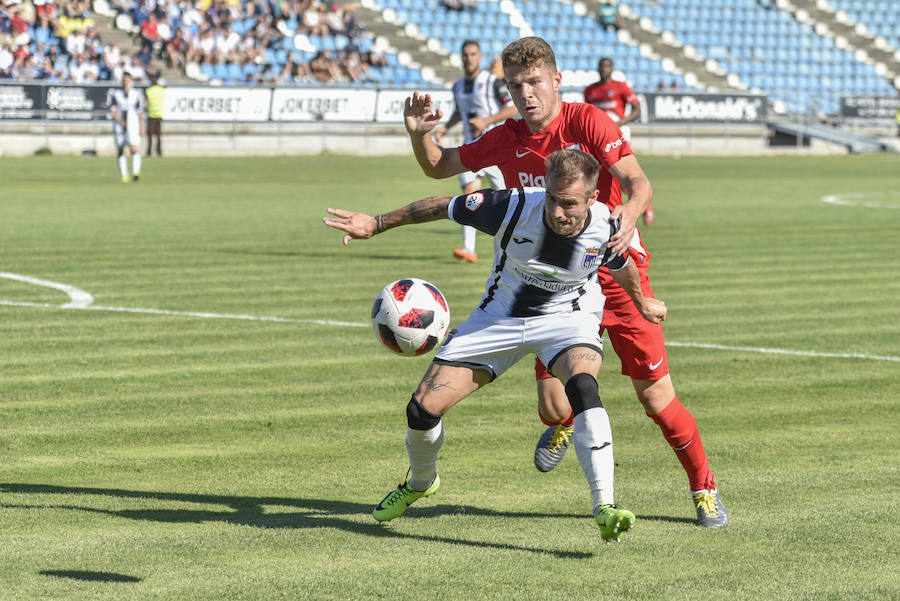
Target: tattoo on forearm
{"x": 421, "y": 211}
{"x": 427, "y": 209}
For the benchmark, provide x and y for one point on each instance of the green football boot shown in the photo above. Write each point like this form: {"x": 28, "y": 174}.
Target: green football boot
{"x": 395, "y": 503}
{"x": 613, "y": 522}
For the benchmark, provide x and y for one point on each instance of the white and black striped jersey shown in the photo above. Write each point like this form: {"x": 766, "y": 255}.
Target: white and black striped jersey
{"x": 536, "y": 271}
{"x": 129, "y": 106}
{"x": 482, "y": 96}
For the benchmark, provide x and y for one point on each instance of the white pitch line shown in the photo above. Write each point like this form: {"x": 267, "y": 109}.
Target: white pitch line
{"x": 856, "y": 200}
{"x": 781, "y": 351}
{"x": 206, "y": 314}
{"x": 79, "y": 298}
{"x": 82, "y": 300}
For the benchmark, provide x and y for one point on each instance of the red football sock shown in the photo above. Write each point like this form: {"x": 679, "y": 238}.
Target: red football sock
{"x": 568, "y": 422}
{"x": 680, "y": 430}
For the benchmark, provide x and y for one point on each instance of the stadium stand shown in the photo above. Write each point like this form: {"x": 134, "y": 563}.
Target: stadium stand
{"x": 792, "y": 50}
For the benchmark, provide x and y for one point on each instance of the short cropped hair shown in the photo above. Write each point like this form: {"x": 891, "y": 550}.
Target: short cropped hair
{"x": 469, "y": 43}
{"x": 567, "y": 166}
{"x": 527, "y": 52}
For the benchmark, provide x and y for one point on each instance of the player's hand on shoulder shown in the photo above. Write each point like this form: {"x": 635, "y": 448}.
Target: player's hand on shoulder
{"x": 357, "y": 225}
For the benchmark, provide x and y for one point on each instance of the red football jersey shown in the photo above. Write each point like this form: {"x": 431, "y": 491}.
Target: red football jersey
{"x": 520, "y": 154}
{"x": 611, "y": 97}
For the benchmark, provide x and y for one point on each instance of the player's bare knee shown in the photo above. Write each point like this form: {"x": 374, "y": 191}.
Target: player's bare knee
{"x": 419, "y": 418}
{"x": 581, "y": 389}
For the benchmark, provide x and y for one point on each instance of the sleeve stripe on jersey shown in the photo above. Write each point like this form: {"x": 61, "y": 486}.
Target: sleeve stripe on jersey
{"x": 503, "y": 244}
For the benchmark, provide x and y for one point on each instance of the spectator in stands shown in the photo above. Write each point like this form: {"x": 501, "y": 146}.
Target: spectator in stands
{"x": 145, "y": 54}
{"x": 294, "y": 71}
{"x": 45, "y": 12}
{"x": 314, "y": 22}
{"x": 351, "y": 27}
{"x": 458, "y": 5}
{"x": 6, "y": 58}
{"x": 150, "y": 30}
{"x": 375, "y": 58}
{"x": 325, "y": 69}
{"x": 352, "y": 64}
{"x": 608, "y": 16}
{"x": 335, "y": 20}
{"x": 18, "y": 28}
{"x": 176, "y": 50}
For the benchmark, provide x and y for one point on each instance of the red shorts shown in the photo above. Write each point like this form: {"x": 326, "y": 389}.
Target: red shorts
{"x": 640, "y": 345}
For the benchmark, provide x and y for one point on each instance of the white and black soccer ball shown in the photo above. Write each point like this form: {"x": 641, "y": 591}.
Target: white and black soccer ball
{"x": 410, "y": 317}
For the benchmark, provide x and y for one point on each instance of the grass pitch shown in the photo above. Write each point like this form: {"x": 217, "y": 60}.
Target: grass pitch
{"x": 203, "y": 429}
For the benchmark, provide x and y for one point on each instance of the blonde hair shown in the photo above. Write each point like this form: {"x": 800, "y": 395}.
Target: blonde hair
{"x": 567, "y": 166}
{"x": 527, "y": 52}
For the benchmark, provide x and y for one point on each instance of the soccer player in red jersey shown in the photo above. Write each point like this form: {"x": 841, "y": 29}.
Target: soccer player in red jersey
{"x": 613, "y": 96}
{"x": 520, "y": 148}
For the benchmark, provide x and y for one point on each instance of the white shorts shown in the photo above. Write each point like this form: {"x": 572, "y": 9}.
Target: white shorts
{"x": 130, "y": 136}
{"x": 492, "y": 173}
{"x": 496, "y": 343}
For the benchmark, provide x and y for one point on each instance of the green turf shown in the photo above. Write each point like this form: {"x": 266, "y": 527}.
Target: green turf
{"x": 168, "y": 456}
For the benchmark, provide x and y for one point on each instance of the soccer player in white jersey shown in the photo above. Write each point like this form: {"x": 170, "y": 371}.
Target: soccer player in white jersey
{"x": 542, "y": 297}
{"x": 126, "y": 106}
{"x": 483, "y": 99}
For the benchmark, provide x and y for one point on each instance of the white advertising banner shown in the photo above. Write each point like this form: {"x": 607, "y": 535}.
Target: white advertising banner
{"x": 323, "y": 104}
{"x": 217, "y": 104}
{"x": 390, "y": 104}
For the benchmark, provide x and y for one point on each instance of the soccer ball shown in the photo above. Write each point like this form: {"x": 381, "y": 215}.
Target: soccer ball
{"x": 410, "y": 316}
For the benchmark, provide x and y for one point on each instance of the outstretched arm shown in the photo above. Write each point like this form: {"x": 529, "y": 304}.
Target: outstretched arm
{"x": 362, "y": 226}
{"x": 652, "y": 309}
{"x": 420, "y": 118}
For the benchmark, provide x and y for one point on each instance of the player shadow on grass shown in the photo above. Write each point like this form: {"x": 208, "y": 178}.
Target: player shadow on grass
{"x": 249, "y": 511}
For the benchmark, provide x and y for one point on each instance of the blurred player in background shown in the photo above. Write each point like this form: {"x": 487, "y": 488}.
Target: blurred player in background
{"x": 156, "y": 94}
{"x": 520, "y": 149}
{"x": 613, "y": 97}
{"x": 480, "y": 102}
{"x": 126, "y": 106}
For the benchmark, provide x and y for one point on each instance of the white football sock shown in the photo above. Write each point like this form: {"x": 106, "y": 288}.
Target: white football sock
{"x": 469, "y": 238}
{"x": 123, "y": 165}
{"x": 136, "y": 163}
{"x": 593, "y": 445}
{"x": 422, "y": 447}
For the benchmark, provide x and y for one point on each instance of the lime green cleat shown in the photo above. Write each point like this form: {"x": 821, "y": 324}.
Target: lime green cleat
{"x": 613, "y": 522}
{"x": 395, "y": 503}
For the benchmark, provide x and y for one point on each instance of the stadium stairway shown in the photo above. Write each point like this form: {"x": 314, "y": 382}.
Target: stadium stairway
{"x": 853, "y": 142}
{"x": 824, "y": 18}
{"x": 406, "y": 39}
{"x": 652, "y": 42}
{"x": 106, "y": 26}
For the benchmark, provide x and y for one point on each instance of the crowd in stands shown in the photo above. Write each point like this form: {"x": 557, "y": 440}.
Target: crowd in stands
{"x": 57, "y": 40}
{"x": 249, "y": 42}
{"x": 253, "y": 42}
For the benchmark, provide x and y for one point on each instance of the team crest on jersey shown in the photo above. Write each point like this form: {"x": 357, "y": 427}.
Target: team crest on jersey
{"x": 590, "y": 257}
{"x": 574, "y": 147}
{"x": 474, "y": 200}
